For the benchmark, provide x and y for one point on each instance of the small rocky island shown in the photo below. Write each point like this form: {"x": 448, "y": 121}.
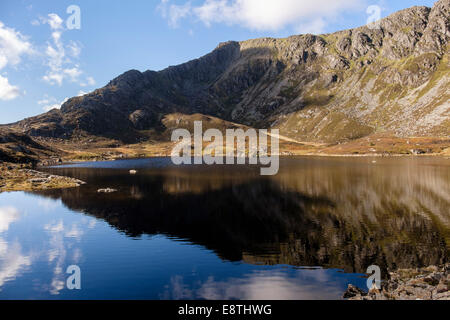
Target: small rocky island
{"x": 431, "y": 283}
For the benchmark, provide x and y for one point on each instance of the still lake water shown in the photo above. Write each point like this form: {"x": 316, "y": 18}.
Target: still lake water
{"x": 224, "y": 232}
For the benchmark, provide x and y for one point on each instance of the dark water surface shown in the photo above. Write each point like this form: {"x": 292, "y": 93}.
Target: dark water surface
{"x": 224, "y": 232}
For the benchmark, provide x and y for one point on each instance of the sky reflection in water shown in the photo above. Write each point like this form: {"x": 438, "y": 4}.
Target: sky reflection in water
{"x": 172, "y": 233}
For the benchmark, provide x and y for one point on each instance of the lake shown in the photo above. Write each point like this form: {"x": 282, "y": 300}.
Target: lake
{"x": 224, "y": 232}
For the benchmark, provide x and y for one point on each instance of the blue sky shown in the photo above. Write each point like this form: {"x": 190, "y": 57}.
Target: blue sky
{"x": 43, "y": 62}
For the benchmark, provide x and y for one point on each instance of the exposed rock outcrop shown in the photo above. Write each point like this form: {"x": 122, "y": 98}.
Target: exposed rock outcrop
{"x": 432, "y": 283}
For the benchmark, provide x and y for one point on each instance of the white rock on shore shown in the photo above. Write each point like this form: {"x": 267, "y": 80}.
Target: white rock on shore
{"x": 106, "y": 190}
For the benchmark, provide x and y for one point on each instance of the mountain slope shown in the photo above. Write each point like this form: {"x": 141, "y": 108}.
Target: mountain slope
{"x": 328, "y": 88}
{"x": 19, "y": 147}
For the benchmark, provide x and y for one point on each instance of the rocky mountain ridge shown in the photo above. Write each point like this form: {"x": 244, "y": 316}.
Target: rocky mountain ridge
{"x": 329, "y": 88}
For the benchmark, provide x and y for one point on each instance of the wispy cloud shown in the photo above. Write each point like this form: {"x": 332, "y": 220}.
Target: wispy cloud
{"x": 173, "y": 13}
{"x": 50, "y": 103}
{"x": 12, "y": 262}
{"x": 262, "y": 15}
{"x": 8, "y": 215}
{"x": 89, "y": 82}
{"x": 8, "y": 91}
{"x": 61, "y": 57}
{"x": 13, "y": 45}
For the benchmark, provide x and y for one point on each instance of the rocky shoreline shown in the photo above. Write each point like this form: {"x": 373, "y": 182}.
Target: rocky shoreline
{"x": 431, "y": 283}
{"x": 21, "y": 177}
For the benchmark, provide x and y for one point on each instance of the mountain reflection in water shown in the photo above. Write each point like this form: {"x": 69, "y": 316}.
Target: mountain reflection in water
{"x": 341, "y": 213}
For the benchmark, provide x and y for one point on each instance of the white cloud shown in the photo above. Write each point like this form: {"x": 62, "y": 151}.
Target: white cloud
{"x": 8, "y": 91}
{"x": 174, "y": 13}
{"x": 12, "y": 262}
{"x": 44, "y": 101}
{"x": 13, "y": 45}
{"x": 60, "y": 56}
{"x": 8, "y": 215}
{"x": 55, "y": 227}
{"x": 55, "y": 51}
{"x": 74, "y": 49}
{"x": 3, "y": 247}
{"x": 48, "y": 204}
{"x": 51, "y": 107}
{"x": 55, "y": 22}
{"x": 54, "y": 78}
{"x": 260, "y": 15}
{"x": 316, "y": 26}
{"x": 89, "y": 82}
{"x": 73, "y": 73}
{"x": 50, "y": 103}
{"x": 261, "y": 285}
{"x": 74, "y": 232}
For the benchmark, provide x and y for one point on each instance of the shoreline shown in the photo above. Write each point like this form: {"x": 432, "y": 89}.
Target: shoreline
{"x": 26, "y": 177}
{"x": 21, "y": 177}
{"x": 429, "y": 283}
{"x": 377, "y": 145}
{"x": 310, "y": 155}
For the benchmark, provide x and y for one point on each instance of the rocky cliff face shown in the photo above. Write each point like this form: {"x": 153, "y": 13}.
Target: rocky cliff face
{"x": 327, "y": 88}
